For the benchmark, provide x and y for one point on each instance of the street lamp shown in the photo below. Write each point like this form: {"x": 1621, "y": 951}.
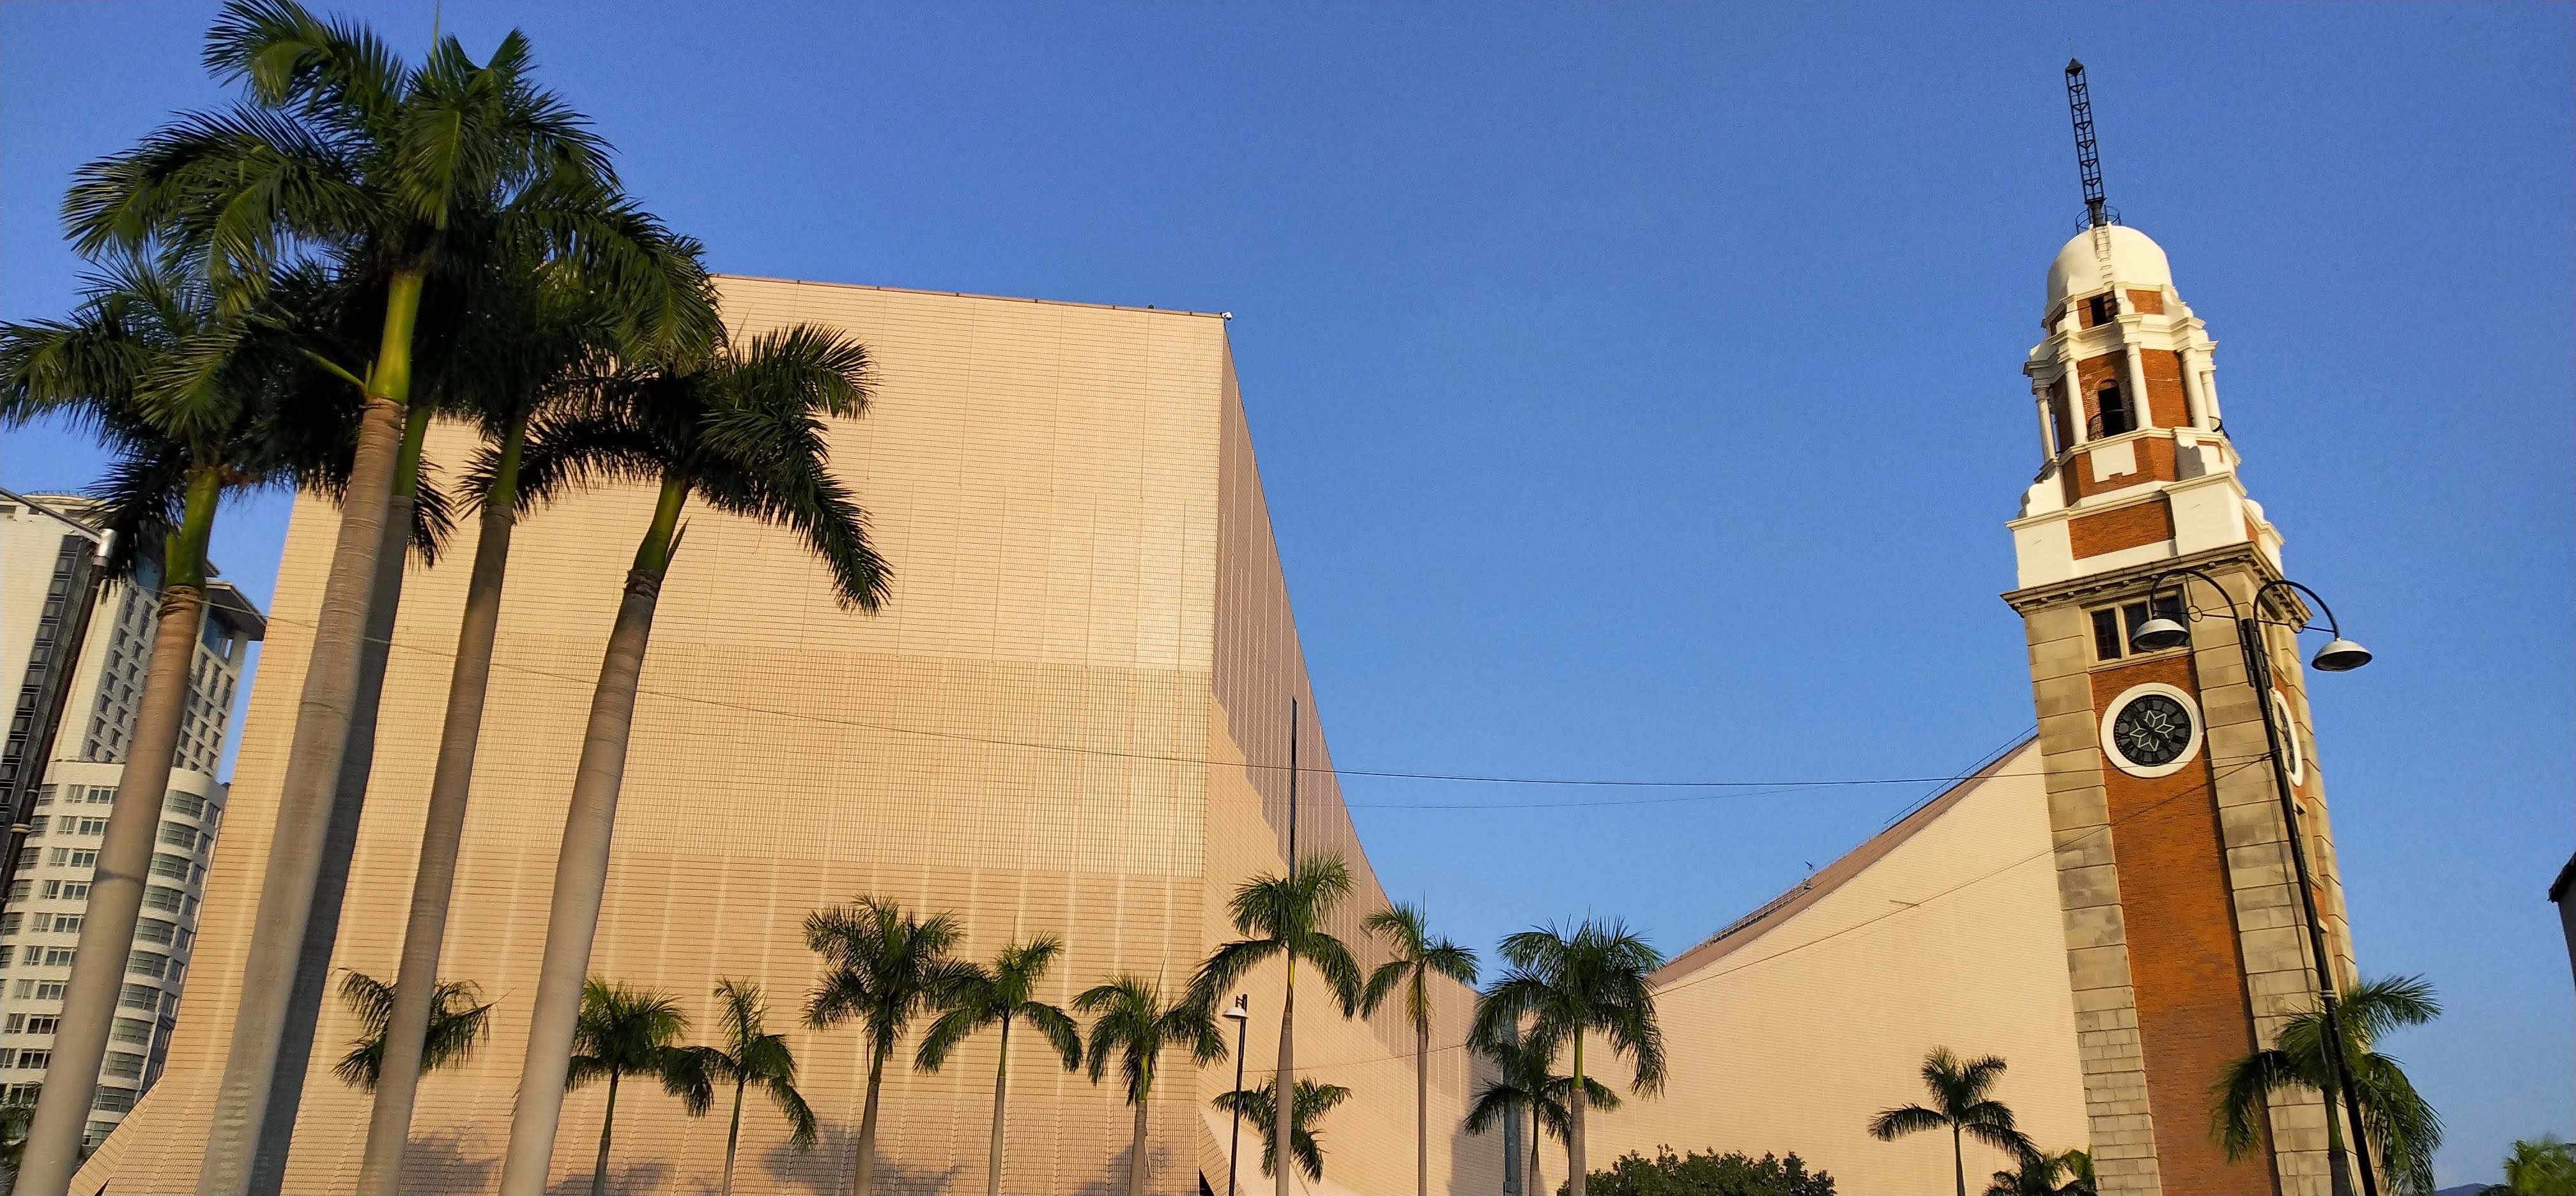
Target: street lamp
{"x": 1240, "y": 1013}
{"x": 2340, "y": 655}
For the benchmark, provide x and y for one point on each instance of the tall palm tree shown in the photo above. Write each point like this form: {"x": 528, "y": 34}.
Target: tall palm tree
{"x": 2402, "y": 1127}
{"x": 884, "y": 966}
{"x": 1418, "y": 957}
{"x": 534, "y": 333}
{"x": 997, "y": 995}
{"x": 1284, "y": 916}
{"x": 459, "y": 1022}
{"x": 341, "y": 150}
{"x": 1573, "y": 986}
{"x": 2542, "y": 1167}
{"x": 743, "y": 432}
{"x": 2036, "y": 1174}
{"x": 1961, "y": 1103}
{"x": 751, "y": 1055}
{"x": 1133, "y": 1023}
{"x": 196, "y": 399}
{"x": 1528, "y": 1083}
{"x": 632, "y": 1032}
{"x": 1262, "y": 1106}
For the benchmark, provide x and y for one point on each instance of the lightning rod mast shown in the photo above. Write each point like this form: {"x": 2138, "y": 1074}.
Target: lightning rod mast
{"x": 2088, "y": 157}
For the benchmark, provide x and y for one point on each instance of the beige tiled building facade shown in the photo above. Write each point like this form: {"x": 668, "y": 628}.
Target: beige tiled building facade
{"x": 1073, "y": 718}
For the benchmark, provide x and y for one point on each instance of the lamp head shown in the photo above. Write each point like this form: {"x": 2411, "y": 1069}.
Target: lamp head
{"x": 1237, "y": 1011}
{"x": 2159, "y": 633}
{"x": 2341, "y": 656}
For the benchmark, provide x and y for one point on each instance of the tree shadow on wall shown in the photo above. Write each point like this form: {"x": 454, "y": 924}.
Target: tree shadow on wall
{"x": 439, "y": 1163}
{"x": 624, "y": 1179}
{"x": 825, "y": 1170}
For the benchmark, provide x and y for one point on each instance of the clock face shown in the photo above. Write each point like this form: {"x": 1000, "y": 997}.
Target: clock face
{"x": 2152, "y": 730}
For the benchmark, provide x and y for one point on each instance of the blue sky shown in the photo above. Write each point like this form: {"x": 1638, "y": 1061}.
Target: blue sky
{"x": 1638, "y": 392}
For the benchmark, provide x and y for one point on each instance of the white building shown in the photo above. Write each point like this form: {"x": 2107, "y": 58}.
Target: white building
{"x": 45, "y": 551}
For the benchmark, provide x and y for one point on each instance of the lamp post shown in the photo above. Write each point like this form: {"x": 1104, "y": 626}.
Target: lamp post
{"x": 2340, "y": 655}
{"x": 1240, "y": 1013}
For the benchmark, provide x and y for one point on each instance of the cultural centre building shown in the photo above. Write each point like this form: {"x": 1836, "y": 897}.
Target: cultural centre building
{"x": 1074, "y": 716}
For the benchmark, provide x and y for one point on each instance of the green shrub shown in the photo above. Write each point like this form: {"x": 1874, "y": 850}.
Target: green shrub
{"x": 1731, "y": 1174}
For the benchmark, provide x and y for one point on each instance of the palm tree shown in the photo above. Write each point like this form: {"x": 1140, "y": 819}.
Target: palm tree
{"x": 1135, "y": 1025}
{"x": 752, "y": 1055}
{"x": 2546, "y": 1167}
{"x": 1262, "y": 1106}
{"x": 1960, "y": 1103}
{"x": 1528, "y": 1083}
{"x": 884, "y": 967}
{"x": 1284, "y": 916}
{"x": 2402, "y": 1127}
{"x": 2036, "y": 1175}
{"x": 194, "y": 403}
{"x": 997, "y": 995}
{"x": 631, "y": 1032}
{"x": 1572, "y": 986}
{"x": 458, "y": 1023}
{"x": 533, "y": 333}
{"x": 341, "y": 151}
{"x": 1418, "y": 957}
{"x": 743, "y": 432}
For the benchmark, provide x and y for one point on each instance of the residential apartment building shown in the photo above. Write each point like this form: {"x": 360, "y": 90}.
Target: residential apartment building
{"x": 48, "y": 545}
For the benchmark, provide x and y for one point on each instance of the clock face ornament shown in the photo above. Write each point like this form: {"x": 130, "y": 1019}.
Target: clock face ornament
{"x": 2153, "y": 730}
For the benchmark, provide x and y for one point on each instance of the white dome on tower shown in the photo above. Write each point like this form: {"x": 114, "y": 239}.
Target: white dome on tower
{"x": 2135, "y": 261}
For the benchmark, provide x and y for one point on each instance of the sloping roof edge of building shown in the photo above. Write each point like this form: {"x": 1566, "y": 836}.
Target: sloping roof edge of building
{"x": 1832, "y": 876}
{"x": 867, "y": 286}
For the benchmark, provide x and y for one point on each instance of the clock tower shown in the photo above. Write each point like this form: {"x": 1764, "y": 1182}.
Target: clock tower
{"x": 2185, "y": 940}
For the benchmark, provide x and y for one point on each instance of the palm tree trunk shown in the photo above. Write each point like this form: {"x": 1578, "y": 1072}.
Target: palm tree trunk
{"x": 1422, "y": 1109}
{"x": 581, "y": 867}
{"x": 313, "y": 760}
{"x": 52, "y": 1150}
{"x": 1538, "y": 1133}
{"x": 607, "y": 1123}
{"x": 434, "y": 880}
{"x": 1136, "y": 1152}
{"x": 340, "y": 838}
{"x": 864, "y": 1168}
{"x": 1958, "y": 1160}
{"x": 733, "y": 1138}
{"x": 1574, "y": 1170}
{"x": 1001, "y": 1087}
{"x": 1284, "y": 1084}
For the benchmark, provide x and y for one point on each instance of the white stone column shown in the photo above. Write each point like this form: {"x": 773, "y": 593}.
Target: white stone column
{"x": 2074, "y": 392}
{"x": 2047, "y": 436}
{"x": 2191, "y": 391}
{"x": 2137, "y": 384}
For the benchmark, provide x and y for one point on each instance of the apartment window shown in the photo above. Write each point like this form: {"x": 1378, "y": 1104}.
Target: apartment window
{"x": 36, "y": 826}
{"x": 44, "y": 795}
{"x": 100, "y": 795}
{"x": 17, "y": 1024}
{"x": 43, "y": 1023}
{"x": 66, "y": 923}
{"x": 133, "y": 996}
{"x": 54, "y": 858}
{"x": 147, "y": 963}
{"x": 6, "y": 1055}
{"x": 22, "y": 1094}
{"x": 53, "y": 889}
{"x": 162, "y": 897}
{"x": 88, "y": 826}
{"x": 84, "y": 859}
{"x": 18, "y": 889}
{"x": 179, "y": 835}
{"x": 154, "y": 930}
{"x": 123, "y": 1065}
{"x": 172, "y": 866}
{"x": 34, "y": 1060}
{"x": 47, "y": 990}
{"x": 5, "y": 955}
{"x": 133, "y": 1030}
{"x": 55, "y": 957}
{"x": 2113, "y": 625}
{"x": 9, "y": 923}
{"x": 75, "y": 890}
{"x": 111, "y": 1100}
{"x": 188, "y": 804}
